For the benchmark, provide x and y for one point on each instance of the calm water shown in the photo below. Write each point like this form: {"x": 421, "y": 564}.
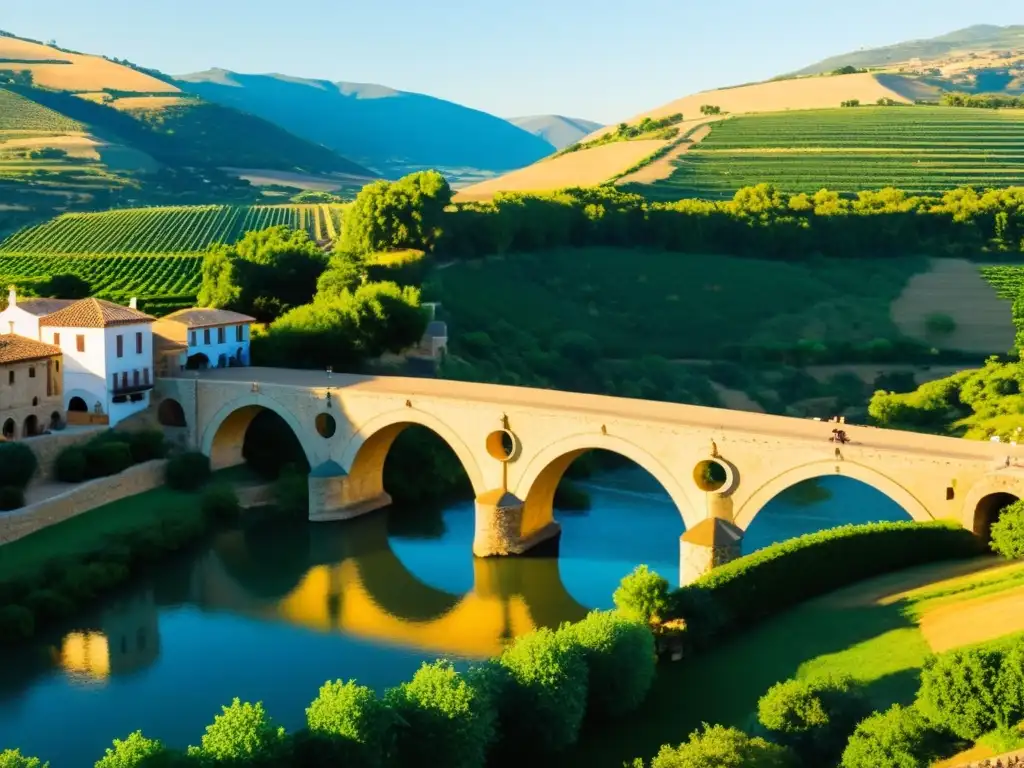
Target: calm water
{"x": 270, "y": 614}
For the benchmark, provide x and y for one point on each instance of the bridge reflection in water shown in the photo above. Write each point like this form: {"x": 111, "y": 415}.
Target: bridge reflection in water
{"x": 350, "y": 580}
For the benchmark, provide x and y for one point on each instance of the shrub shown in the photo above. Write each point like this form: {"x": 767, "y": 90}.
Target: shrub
{"x": 107, "y": 458}
{"x": 188, "y": 471}
{"x": 958, "y": 691}
{"x": 642, "y": 595}
{"x": 940, "y": 324}
{"x": 136, "y": 751}
{"x": 243, "y": 734}
{"x": 1008, "y": 532}
{"x": 71, "y": 466}
{"x": 1010, "y": 685}
{"x": 620, "y": 659}
{"x": 763, "y": 583}
{"x": 546, "y": 698}
{"x": 719, "y": 747}
{"x": 814, "y": 717}
{"x": 11, "y": 497}
{"x": 17, "y": 465}
{"x": 443, "y": 717}
{"x": 12, "y": 758}
{"x": 220, "y": 503}
{"x": 146, "y": 445}
{"x": 16, "y": 623}
{"x": 901, "y": 737}
{"x": 349, "y": 725}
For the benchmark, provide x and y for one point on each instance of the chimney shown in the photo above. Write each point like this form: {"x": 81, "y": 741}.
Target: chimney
{"x": 12, "y": 296}
{"x": 133, "y": 303}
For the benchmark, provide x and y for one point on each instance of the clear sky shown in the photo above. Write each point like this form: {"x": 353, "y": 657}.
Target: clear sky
{"x": 602, "y": 60}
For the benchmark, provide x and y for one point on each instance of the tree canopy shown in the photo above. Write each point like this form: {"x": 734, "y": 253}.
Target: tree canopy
{"x": 394, "y": 215}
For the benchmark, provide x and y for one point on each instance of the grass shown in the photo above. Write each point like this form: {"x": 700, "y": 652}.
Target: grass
{"x": 919, "y": 149}
{"x": 879, "y": 643}
{"x": 20, "y": 114}
{"x": 87, "y": 532}
{"x": 680, "y": 305}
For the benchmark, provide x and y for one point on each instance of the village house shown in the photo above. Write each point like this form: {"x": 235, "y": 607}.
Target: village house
{"x": 30, "y": 387}
{"x": 211, "y": 338}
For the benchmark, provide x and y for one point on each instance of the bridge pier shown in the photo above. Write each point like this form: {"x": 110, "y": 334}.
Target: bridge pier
{"x": 500, "y": 528}
{"x": 333, "y": 495}
{"x": 714, "y": 541}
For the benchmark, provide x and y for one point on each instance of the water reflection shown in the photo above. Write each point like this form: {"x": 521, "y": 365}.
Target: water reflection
{"x": 126, "y": 640}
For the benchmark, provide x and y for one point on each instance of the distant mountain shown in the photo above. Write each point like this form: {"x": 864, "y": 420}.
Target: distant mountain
{"x": 557, "y": 130}
{"x": 391, "y": 131}
{"x": 982, "y": 37}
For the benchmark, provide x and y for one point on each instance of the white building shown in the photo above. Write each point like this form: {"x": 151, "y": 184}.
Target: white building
{"x": 213, "y": 338}
{"x": 107, "y": 348}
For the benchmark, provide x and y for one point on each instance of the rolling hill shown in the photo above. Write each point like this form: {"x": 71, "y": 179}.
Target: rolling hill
{"x": 390, "y": 131}
{"x": 556, "y": 130}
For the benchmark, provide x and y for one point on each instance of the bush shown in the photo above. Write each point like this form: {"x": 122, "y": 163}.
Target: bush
{"x": 220, "y": 503}
{"x": 16, "y": 623}
{"x": 546, "y": 699}
{"x": 901, "y": 737}
{"x": 719, "y": 747}
{"x": 444, "y": 717}
{"x": 12, "y": 758}
{"x": 814, "y": 717}
{"x": 243, "y": 734}
{"x": 1008, "y": 532}
{"x": 107, "y": 458}
{"x": 348, "y": 725}
{"x": 134, "y": 752}
{"x": 11, "y": 497}
{"x": 772, "y": 579}
{"x": 188, "y": 471}
{"x": 940, "y": 324}
{"x": 642, "y": 595}
{"x": 1010, "y": 686}
{"x": 146, "y": 445}
{"x": 17, "y": 465}
{"x": 958, "y": 691}
{"x": 620, "y": 659}
{"x": 71, "y": 466}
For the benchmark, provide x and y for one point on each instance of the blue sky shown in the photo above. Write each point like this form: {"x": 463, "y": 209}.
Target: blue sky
{"x": 594, "y": 59}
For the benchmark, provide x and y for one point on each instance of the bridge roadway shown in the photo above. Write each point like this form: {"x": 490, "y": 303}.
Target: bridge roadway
{"x": 516, "y": 443}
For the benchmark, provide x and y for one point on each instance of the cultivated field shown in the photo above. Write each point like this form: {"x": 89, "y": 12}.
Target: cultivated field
{"x": 147, "y": 102}
{"x": 1007, "y": 279}
{"x": 919, "y": 149}
{"x": 20, "y": 114}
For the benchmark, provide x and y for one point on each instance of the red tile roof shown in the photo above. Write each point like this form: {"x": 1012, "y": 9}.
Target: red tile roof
{"x": 207, "y": 317}
{"x": 18, "y": 349}
{"x": 94, "y": 313}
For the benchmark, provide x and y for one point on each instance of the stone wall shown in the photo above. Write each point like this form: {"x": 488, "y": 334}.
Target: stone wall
{"x": 46, "y": 448}
{"x": 80, "y": 498}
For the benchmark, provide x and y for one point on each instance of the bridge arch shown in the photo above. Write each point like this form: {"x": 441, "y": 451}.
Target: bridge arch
{"x": 987, "y": 499}
{"x": 224, "y": 435}
{"x": 367, "y": 450}
{"x": 761, "y": 496}
{"x": 537, "y": 485}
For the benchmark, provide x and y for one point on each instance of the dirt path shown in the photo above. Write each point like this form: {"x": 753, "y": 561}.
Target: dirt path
{"x": 974, "y": 621}
{"x": 662, "y": 168}
{"x": 888, "y": 589}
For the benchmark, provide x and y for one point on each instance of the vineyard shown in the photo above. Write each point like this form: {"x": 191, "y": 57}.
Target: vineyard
{"x": 20, "y": 114}
{"x": 1007, "y": 279}
{"x": 181, "y": 229}
{"x": 919, "y": 149}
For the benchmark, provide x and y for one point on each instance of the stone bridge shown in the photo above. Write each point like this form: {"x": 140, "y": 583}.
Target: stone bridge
{"x": 720, "y": 467}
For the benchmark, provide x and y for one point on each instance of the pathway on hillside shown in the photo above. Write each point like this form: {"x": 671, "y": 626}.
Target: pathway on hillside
{"x": 663, "y": 167}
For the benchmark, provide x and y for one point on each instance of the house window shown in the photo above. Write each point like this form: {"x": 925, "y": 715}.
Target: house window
{"x": 138, "y": 343}
{"x": 10, "y": 377}
{"x": 135, "y": 378}
{"x": 120, "y": 345}
{"x": 32, "y": 372}
{"x": 124, "y": 380}
{"x": 193, "y": 342}
{"x": 57, "y": 364}
{"x": 221, "y": 335}
{"x": 239, "y": 334}
{"x": 145, "y": 376}
{"x": 56, "y": 339}
{"x": 206, "y": 336}
{"x": 114, "y": 385}
{"x": 80, "y": 343}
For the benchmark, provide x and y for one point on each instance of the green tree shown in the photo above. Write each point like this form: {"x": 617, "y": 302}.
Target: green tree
{"x": 716, "y": 746}
{"x": 348, "y": 725}
{"x": 67, "y": 286}
{"x": 900, "y": 737}
{"x": 959, "y": 691}
{"x": 136, "y": 751}
{"x": 446, "y": 721}
{"x": 642, "y": 595}
{"x": 12, "y": 758}
{"x": 344, "y": 273}
{"x": 243, "y": 734}
{"x": 17, "y": 465}
{"x": 393, "y": 215}
{"x": 1008, "y": 532}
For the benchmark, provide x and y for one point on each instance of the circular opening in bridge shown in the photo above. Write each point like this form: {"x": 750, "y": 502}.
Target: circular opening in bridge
{"x": 709, "y": 475}
{"x": 501, "y": 445}
{"x": 326, "y": 425}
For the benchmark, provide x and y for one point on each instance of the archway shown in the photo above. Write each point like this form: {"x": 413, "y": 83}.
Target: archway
{"x": 78, "y": 405}
{"x": 31, "y": 426}
{"x": 9, "y": 429}
{"x": 197, "y": 362}
{"x": 222, "y": 360}
{"x": 987, "y": 512}
{"x": 229, "y": 441}
{"x": 170, "y": 413}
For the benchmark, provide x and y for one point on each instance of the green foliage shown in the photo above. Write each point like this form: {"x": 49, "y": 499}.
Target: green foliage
{"x": 104, "y": 458}
{"x": 544, "y": 704}
{"x": 620, "y": 659}
{"x": 136, "y": 751}
{"x": 243, "y": 734}
{"x": 982, "y": 100}
{"x": 71, "y": 465}
{"x": 716, "y": 746}
{"x": 813, "y": 717}
{"x": 188, "y": 471}
{"x": 390, "y": 216}
{"x": 220, "y": 503}
{"x": 772, "y": 579}
{"x": 900, "y": 737}
{"x": 11, "y": 497}
{"x": 1008, "y": 532}
{"x": 291, "y": 492}
{"x": 648, "y": 128}
{"x": 146, "y": 445}
{"x": 642, "y": 595}
{"x": 959, "y": 690}
{"x": 850, "y": 103}
{"x": 446, "y": 721}
{"x": 67, "y": 286}
{"x": 344, "y": 273}
{"x": 940, "y": 324}
{"x": 407, "y": 267}
{"x": 18, "y": 464}
{"x": 348, "y": 725}
{"x": 12, "y": 758}
{"x": 1010, "y": 685}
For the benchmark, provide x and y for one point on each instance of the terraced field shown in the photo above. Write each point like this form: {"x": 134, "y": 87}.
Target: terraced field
{"x": 919, "y": 149}
{"x": 1007, "y": 279}
{"x": 20, "y": 114}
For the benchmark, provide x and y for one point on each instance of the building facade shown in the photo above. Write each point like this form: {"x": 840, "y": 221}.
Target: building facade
{"x": 212, "y": 338}
{"x": 31, "y": 386}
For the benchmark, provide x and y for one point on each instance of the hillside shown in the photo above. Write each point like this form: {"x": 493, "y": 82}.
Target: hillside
{"x": 391, "y": 131}
{"x": 556, "y": 130}
{"x": 982, "y": 37}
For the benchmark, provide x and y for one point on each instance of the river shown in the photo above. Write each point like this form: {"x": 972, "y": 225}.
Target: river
{"x": 270, "y": 613}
